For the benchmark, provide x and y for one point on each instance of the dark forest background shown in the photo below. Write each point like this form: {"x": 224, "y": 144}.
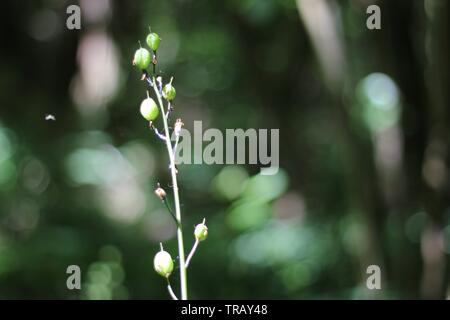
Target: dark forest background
{"x": 364, "y": 148}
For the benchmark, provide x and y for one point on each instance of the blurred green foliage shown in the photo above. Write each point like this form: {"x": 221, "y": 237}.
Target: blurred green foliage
{"x": 364, "y": 175}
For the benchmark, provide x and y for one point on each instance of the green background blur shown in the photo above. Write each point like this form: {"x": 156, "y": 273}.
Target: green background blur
{"x": 364, "y": 149}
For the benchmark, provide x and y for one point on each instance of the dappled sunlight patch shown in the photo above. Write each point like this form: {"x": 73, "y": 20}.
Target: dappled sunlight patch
{"x": 118, "y": 176}
{"x": 380, "y": 101}
{"x": 228, "y": 184}
{"x": 245, "y": 214}
{"x": 266, "y": 187}
{"x": 105, "y": 277}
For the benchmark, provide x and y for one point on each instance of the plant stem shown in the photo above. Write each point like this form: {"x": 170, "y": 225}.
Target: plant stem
{"x": 171, "y": 213}
{"x": 191, "y": 254}
{"x": 169, "y": 288}
{"x": 183, "y": 277}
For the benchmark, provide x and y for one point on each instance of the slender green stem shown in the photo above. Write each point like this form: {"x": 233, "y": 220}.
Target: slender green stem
{"x": 169, "y": 288}
{"x": 191, "y": 254}
{"x": 171, "y": 212}
{"x": 183, "y": 276}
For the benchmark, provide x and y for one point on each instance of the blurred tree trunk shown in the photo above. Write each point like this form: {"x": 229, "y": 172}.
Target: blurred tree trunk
{"x": 322, "y": 23}
{"x": 435, "y": 170}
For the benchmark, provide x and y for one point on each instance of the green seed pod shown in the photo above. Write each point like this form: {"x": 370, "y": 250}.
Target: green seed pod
{"x": 163, "y": 263}
{"x": 142, "y": 58}
{"x": 153, "y": 41}
{"x": 169, "y": 92}
{"x": 201, "y": 232}
{"x": 149, "y": 109}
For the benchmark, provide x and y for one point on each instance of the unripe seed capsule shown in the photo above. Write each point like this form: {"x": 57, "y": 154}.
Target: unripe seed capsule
{"x": 149, "y": 109}
{"x": 163, "y": 263}
{"x": 153, "y": 41}
{"x": 201, "y": 232}
{"x": 142, "y": 58}
{"x": 169, "y": 92}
